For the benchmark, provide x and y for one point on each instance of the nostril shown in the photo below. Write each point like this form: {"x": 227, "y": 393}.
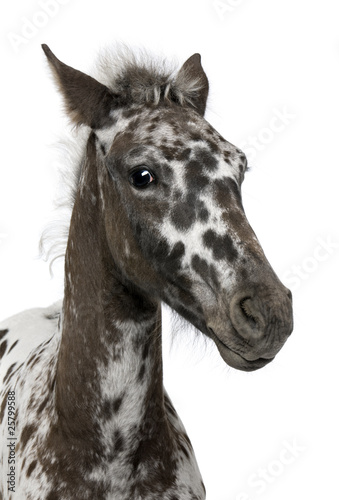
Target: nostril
{"x": 289, "y": 294}
{"x": 245, "y": 306}
{"x": 247, "y": 317}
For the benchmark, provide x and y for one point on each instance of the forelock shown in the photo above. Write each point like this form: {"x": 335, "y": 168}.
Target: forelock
{"x": 142, "y": 78}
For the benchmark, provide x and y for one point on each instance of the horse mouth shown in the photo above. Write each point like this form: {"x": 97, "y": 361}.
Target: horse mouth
{"x": 236, "y": 360}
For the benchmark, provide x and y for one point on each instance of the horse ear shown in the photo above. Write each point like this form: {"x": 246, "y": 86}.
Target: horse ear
{"x": 196, "y": 80}
{"x": 87, "y": 101}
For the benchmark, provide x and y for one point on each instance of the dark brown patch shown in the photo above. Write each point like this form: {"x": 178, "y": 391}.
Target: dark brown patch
{"x": 222, "y": 246}
{"x": 36, "y": 359}
{"x": 226, "y": 193}
{"x": 203, "y": 213}
{"x": 145, "y": 351}
{"x": 173, "y": 262}
{"x": 52, "y": 495}
{"x": 119, "y": 442}
{"x": 194, "y": 176}
{"x": 184, "y": 154}
{"x": 141, "y": 373}
{"x": 3, "y": 408}
{"x": 9, "y": 371}
{"x": 3, "y": 333}
{"x": 128, "y": 112}
{"x": 155, "y": 249}
{"x": 27, "y": 432}
{"x": 43, "y": 405}
{"x": 183, "y": 215}
{"x": 169, "y": 152}
{"x": 206, "y": 159}
{"x": 31, "y": 468}
{"x": 207, "y": 271}
{"x": 32, "y": 359}
{"x": 3, "y": 347}
{"x": 117, "y": 402}
{"x": 154, "y": 456}
{"x": 12, "y": 346}
{"x": 106, "y": 409}
{"x": 152, "y": 127}
{"x": 227, "y": 156}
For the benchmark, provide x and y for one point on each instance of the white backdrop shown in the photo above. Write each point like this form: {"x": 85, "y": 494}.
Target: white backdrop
{"x": 273, "y": 71}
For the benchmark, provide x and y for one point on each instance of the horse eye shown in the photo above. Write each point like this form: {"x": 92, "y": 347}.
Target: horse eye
{"x": 141, "y": 178}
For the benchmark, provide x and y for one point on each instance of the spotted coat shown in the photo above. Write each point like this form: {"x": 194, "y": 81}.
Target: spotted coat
{"x": 157, "y": 216}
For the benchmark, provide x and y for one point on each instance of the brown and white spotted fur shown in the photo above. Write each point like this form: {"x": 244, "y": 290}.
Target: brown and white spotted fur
{"x": 157, "y": 217}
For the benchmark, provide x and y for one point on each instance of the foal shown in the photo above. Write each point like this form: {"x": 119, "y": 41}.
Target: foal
{"x": 157, "y": 217}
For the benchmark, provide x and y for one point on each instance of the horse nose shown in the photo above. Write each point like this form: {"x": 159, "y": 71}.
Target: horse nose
{"x": 254, "y": 317}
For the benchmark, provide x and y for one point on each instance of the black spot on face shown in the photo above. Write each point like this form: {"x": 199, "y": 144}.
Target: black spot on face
{"x": 227, "y": 156}
{"x": 207, "y": 159}
{"x": 194, "y": 176}
{"x": 178, "y": 251}
{"x": 184, "y": 154}
{"x": 206, "y": 271}
{"x": 202, "y": 212}
{"x": 222, "y": 246}
{"x": 194, "y": 168}
{"x": 173, "y": 262}
{"x": 183, "y": 216}
{"x": 158, "y": 249}
{"x": 169, "y": 152}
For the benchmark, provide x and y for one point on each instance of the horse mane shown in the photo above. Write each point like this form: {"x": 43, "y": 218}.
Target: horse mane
{"x": 141, "y": 78}
{"x": 69, "y": 153}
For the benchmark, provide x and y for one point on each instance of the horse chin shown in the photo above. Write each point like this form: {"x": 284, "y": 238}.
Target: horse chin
{"x": 235, "y": 360}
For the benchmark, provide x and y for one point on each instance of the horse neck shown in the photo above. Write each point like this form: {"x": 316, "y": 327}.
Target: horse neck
{"x": 109, "y": 366}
